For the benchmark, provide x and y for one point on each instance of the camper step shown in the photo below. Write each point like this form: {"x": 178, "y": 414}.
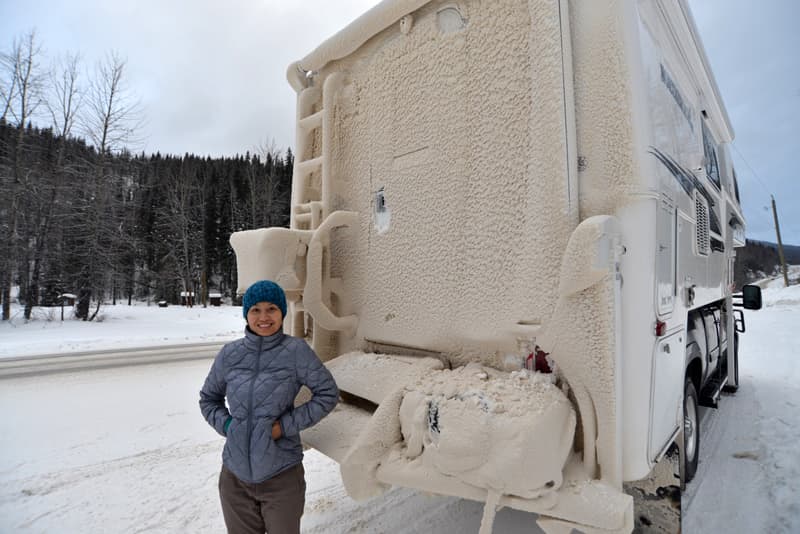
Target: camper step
{"x": 709, "y": 396}
{"x": 372, "y": 376}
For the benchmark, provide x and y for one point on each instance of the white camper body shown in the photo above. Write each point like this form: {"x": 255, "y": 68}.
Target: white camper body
{"x": 475, "y": 179}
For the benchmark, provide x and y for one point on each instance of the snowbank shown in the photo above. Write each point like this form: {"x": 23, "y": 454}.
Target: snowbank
{"x": 117, "y": 327}
{"x": 775, "y": 294}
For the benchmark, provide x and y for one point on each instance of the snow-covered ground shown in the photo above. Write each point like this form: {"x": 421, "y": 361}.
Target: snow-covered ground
{"x": 749, "y": 474}
{"x": 117, "y": 327}
{"x": 126, "y": 450}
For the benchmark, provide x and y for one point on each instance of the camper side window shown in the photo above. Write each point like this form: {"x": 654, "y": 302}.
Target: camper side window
{"x": 710, "y": 152}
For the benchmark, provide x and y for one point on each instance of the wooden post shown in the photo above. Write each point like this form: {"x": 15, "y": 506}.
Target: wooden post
{"x": 780, "y": 244}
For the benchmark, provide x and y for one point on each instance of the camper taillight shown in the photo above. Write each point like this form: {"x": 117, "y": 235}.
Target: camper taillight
{"x": 661, "y": 328}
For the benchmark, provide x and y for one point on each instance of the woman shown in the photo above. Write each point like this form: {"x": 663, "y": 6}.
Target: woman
{"x": 262, "y": 484}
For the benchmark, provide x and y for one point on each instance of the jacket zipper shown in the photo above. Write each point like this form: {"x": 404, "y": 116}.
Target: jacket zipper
{"x": 250, "y": 406}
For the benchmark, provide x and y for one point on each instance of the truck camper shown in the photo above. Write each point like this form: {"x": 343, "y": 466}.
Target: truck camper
{"x": 513, "y": 226}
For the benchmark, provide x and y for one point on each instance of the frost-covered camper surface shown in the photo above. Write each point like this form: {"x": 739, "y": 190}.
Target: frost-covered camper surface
{"x": 480, "y": 183}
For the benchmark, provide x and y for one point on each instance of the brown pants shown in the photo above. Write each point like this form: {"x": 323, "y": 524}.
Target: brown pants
{"x": 273, "y": 506}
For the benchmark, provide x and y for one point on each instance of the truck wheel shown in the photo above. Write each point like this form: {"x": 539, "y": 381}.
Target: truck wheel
{"x": 691, "y": 430}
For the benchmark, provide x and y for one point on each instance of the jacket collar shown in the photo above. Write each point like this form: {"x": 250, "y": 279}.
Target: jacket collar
{"x": 254, "y": 341}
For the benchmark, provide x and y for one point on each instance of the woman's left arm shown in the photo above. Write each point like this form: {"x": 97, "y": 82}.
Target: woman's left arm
{"x": 315, "y": 376}
{"x": 212, "y": 396}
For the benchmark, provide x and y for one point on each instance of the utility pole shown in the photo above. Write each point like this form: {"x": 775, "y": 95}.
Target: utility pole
{"x": 780, "y": 244}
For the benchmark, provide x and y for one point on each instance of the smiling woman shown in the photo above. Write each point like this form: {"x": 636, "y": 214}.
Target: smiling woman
{"x": 248, "y": 397}
{"x": 264, "y": 306}
{"x": 264, "y": 318}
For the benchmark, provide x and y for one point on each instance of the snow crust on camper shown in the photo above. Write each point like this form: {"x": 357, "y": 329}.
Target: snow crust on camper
{"x": 373, "y": 376}
{"x": 448, "y": 134}
{"x": 606, "y": 133}
{"x": 583, "y": 335}
{"x": 508, "y": 433}
{"x": 355, "y": 34}
{"x": 255, "y": 257}
{"x": 471, "y": 424}
{"x": 473, "y": 168}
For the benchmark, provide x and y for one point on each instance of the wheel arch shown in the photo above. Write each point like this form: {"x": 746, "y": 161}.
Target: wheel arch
{"x": 694, "y": 364}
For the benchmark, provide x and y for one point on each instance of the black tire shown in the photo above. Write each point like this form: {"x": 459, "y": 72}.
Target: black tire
{"x": 691, "y": 431}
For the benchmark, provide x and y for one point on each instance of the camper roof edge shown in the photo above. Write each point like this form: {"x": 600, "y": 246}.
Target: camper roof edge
{"x": 702, "y": 66}
{"x": 355, "y": 34}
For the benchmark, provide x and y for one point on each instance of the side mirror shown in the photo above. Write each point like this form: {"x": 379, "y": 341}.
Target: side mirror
{"x": 751, "y": 297}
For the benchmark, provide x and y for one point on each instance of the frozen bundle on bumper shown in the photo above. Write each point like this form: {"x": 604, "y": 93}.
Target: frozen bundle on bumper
{"x": 507, "y": 434}
{"x": 478, "y": 183}
{"x": 511, "y": 434}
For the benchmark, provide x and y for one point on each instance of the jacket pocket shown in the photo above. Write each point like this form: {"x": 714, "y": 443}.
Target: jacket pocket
{"x": 289, "y": 443}
{"x": 232, "y": 428}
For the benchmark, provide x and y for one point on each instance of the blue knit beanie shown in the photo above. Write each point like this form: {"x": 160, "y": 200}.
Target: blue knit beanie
{"x": 264, "y": 291}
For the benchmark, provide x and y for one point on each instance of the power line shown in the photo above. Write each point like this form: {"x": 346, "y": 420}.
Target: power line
{"x": 761, "y": 210}
{"x": 758, "y": 178}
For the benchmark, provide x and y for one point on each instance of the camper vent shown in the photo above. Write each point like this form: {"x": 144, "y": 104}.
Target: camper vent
{"x": 701, "y": 216}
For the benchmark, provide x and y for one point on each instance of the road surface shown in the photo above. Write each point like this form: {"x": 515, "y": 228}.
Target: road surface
{"x": 58, "y": 363}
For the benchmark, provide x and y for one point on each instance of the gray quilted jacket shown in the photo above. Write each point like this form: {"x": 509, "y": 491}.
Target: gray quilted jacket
{"x": 260, "y": 377}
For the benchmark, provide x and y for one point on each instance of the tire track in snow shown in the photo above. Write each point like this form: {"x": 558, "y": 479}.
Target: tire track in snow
{"x": 72, "y": 496}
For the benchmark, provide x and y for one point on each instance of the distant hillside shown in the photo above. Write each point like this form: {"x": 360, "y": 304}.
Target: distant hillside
{"x": 792, "y": 252}
{"x": 758, "y": 259}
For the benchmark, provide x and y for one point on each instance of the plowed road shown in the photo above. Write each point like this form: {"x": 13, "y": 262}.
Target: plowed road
{"x": 57, "y": 363}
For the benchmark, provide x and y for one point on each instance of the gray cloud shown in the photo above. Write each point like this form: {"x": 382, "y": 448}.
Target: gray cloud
{"x": 210, "y": 74}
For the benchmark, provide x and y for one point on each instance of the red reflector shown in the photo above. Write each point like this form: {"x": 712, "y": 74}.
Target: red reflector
{"x": 540, "y": 361}
{"x": 661, "y": 328}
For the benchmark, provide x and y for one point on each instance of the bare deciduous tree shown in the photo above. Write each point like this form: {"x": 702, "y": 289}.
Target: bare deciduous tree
{"x": 23, "y": 95}
{"x": 23, "y": 79}
{"x": 185, "y": 211}
{"x": 66, "y": 94}
{"x": 113, "y": 118}
{"x": 9, "y": 65}
{"x": 63, "y": 102}
{"x": 265, "y": 186}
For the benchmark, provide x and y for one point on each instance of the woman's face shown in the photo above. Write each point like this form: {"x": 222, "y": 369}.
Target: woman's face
{"x": 264, "y": 318}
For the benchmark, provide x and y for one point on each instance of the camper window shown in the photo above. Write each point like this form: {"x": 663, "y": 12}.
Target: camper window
{"x": 710, "y": 152}
{"x": 735, "y": 185}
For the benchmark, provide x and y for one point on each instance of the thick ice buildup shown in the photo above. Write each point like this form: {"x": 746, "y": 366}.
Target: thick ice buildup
{"x": 510, "y": 433}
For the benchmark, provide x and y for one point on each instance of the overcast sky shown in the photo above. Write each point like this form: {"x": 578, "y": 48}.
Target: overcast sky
{"x": 211, "y": 74}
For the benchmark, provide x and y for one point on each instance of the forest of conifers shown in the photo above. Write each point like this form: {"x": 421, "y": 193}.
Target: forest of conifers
{"x": 81, "y": 215}
{"x": 116, "y": 226}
